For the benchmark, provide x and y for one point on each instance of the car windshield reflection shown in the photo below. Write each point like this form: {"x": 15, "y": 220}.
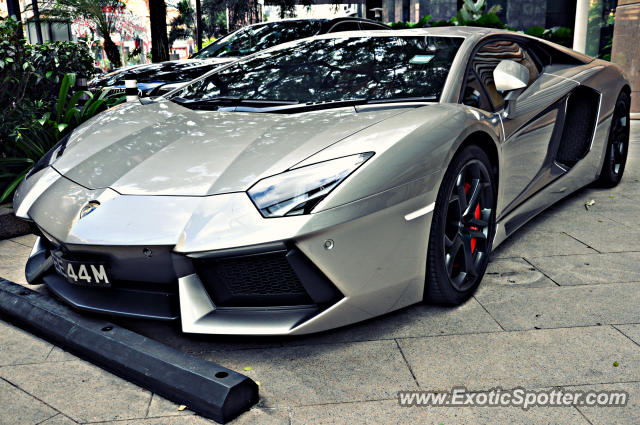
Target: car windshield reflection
{"x": 254, "y": 38}
{"x": 332, "y": 70}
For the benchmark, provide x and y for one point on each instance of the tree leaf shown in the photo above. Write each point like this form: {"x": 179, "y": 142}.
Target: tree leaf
{"x": 13, "y": 185}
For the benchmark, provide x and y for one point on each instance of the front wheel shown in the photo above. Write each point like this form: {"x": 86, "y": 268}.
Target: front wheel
{"x": 617, "y": 145}
{"x": 462, "y": 229}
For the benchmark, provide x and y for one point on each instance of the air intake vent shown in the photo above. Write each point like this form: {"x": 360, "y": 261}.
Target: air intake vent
{"x": 582, "y": 113}
{"x": 253, "y": 280}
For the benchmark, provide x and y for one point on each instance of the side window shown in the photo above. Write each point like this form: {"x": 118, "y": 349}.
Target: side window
{"x": 370, "y": 26}
{"x": 474, "y": 93}
{"x": 489, "y": 56}
{"x": 346, "y": 26}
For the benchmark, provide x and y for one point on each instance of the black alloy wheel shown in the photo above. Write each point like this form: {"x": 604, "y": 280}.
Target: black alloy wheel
{"x": 617, "y": 145}
{"x": 462, "y": 229}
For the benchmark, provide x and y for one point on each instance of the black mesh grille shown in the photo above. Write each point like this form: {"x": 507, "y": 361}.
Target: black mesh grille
{"x": 255, "y": 280}
{"x": 268, "y": 274}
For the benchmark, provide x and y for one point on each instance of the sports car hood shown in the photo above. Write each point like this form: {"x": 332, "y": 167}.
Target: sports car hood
{"x": 166, "y": 149}
{"x": 167, "y": 72}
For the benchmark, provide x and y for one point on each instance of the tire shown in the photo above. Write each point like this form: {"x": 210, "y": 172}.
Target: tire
{"x": 461, "y": 234}
{"x": 617, "y": 145}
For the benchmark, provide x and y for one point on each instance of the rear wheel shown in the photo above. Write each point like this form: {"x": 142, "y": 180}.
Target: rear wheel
{"x": 462, "y": 229}
{"x": 617, "y": 145}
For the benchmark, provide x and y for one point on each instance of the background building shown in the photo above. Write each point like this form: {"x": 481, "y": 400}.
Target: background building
{"x": 626, "y": 47}
{"x": 609, "y": 29}
{"x": 519, "y": 14}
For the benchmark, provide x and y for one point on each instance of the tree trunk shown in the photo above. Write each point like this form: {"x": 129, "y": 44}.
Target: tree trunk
{"x": 13, "y": 7}
{"x": 110, "y": 48}
{"x": 198, "y": 25}
{"x": 159, "y": 39}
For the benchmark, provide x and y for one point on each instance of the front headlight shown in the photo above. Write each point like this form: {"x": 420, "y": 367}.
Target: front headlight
{"x": 297, "y": 191}
{"x": 49, "y": 158}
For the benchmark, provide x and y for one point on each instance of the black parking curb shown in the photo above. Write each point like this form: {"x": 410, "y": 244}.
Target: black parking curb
{"x": 206, "y": 388}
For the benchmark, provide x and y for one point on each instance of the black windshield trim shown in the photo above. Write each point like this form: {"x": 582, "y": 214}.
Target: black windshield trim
{"x": 319, "y": 106}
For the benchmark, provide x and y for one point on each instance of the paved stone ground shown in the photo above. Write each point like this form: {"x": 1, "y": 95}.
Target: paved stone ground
{"x": 558, "y": 306}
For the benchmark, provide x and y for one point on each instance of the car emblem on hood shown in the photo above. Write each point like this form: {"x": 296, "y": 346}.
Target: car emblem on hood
{"x": 89, "y": 208}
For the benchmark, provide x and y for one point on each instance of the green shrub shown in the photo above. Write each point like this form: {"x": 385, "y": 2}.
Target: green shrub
{"x": 559, "y": 35}
{"x": 55, "y": 59}
{"x": 425, "y": 21}
{"x": 562, "y": 35}
{"x": 35, "y": 136}
{"x": 536, "y": 31}
{"x": 487, "y": 20}
{"x": 34, "y": 72}
{"x": 30, "y": 77}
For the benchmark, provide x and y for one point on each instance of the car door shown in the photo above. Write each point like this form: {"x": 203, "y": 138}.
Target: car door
{"x": 528, "y": 121}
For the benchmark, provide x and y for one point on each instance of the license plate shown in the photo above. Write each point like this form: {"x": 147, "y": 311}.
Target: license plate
{"x": 83, "y": 273}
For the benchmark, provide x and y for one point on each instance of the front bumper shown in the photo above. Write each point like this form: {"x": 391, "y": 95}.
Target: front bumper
{"x": 267, "y": 289}
{"x": 208, "y": 249}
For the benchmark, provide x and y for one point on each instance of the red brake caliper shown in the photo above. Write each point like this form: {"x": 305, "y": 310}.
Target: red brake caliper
{"x": 476, "y": 214}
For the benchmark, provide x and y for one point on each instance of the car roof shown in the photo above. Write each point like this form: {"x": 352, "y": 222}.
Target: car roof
{"x": 323, "y": 20}
{"x": 473, "y": 33}
{"x": 355, "y": 18}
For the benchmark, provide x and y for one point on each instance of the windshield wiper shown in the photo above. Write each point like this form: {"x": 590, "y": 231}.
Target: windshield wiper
{"x": 304, "y": 107}
{"x": 215, "y": 102}
{"x": 404, "y": 99}
{"x": 330, "y": 104}
{"x": 237, "y": 104}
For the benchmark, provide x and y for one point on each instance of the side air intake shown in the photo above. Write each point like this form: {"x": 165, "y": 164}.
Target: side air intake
{"x": 579, "y": 125}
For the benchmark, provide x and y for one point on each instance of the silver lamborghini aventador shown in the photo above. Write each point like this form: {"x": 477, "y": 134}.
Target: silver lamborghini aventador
{"x": 324, "y": 181}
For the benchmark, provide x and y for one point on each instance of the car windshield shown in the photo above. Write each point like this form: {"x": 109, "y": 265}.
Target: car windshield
{"x": 334, "y": 69}
{"x": 254, "y": 38}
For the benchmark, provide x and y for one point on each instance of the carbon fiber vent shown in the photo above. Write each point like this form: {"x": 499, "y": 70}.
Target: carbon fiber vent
{"x": 252, "y": 281}
{"x": 268, "y": 274}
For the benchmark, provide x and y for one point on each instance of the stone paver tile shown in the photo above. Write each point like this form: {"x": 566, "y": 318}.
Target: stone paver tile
{"x": 171, "y": 420}
{"x": 389, "y": 412}
{"x": 13, "y": 268}
{"x": 26, "y": 240}
{"x": 629, "y": 187}
{"x": 263, "y": 416}
{"x": 513, "y": 273}
{"x": 566, "y": 306}
{"x": 160, "y": 406}
{"x": 632, "y": 331}
{"x": 9, "y": 248}
{"x": 529, "y": 242}
{"x": 629, "y": 414}
{"x": 531, "y": 359}
{"x": 59, "y": 355}
{"x": 80, "y": 390}
{"x": 595, "y": 268}
{"x": 19, "y": 347}
{"x": 413, "y": 321}
{"x": 596, "y": 227}
{"x": 20, "y": 408}
{"x": 13, "y": 257}
{"x": 58, "y": 419}
{"x": 617, "y": 208}
{"x": 608, "y": 236}
{"x": 328, "y": 373}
